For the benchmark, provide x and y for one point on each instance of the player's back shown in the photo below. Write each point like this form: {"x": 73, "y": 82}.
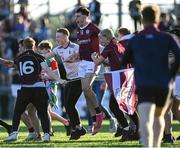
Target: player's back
{"x": 150, "y": 55}
{"x": 28, "y": 64}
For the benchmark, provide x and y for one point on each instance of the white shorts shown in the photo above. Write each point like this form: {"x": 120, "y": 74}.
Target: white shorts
{"x": 176, "y": 91}
{"x": 86, "y": 67}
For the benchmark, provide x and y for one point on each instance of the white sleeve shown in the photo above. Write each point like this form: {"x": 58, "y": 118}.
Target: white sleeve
{"x": 77, "y": 48}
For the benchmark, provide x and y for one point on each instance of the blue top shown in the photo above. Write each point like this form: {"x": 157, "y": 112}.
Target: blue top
{"x": 148, "y": 51}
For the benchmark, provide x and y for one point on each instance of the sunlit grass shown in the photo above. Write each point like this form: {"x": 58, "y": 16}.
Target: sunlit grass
{"x": 103, "y": 139}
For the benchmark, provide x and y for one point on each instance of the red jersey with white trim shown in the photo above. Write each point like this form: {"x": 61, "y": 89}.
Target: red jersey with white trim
{"x": 88, "y": 41}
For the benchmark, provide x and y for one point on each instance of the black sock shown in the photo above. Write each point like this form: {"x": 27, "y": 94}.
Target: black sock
{"x": 94, "y": 118}
{"x": 98, "y": 110}
{"x": 31, "y": 129}
{"x": 5, "y": 125}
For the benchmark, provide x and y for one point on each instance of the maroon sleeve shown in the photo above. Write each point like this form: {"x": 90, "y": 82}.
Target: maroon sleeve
{"x": 95, "y": 44}
{"x": 105, "y": 52}
{"x": 95, "y": 38}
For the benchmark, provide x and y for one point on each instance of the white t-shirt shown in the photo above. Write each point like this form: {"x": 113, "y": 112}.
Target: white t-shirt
{"x": 71, "y": 68}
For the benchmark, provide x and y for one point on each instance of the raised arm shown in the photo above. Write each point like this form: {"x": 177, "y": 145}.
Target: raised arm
{"x": 98, "y": 60}
{"x": 73, "y": 58}
{"x": 8, "y": 63}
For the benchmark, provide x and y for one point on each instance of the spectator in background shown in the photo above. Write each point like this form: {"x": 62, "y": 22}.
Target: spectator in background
{"x": 71, "y": 25}
{"x": 164, "y": 24}
{"x": 19, "y": 26}
{"x": 70, "y": 22}
{"x": 43, "y": 32}
{"x": 134, "y": 10}
{"x": 24, "y": 13}
{"x": 4, "y": 9}
{"x": 94, "y": 7}
{"x": 11, "y": 44}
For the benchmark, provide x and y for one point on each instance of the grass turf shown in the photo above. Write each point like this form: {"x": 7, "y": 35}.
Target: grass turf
{"x": 103, "y": 139}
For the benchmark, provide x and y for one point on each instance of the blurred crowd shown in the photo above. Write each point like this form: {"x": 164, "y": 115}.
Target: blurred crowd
{"x": 14, "y": 27}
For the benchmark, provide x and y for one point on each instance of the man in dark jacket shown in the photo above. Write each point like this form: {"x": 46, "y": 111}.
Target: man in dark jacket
{"x": 148, "y": 51}
{"x": 94, "y": 8}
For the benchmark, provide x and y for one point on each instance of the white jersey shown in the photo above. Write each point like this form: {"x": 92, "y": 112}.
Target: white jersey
{"x": 71, "y": 68}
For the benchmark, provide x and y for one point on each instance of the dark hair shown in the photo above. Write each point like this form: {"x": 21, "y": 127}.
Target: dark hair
{"x": 163, "y": 15}
{"x": 150, "y": 13}
{"x": 64, "y": 31}
{"x": 123, "y": 31}
{"x": 83, "y": 11}
{"x": 20, "y": 41}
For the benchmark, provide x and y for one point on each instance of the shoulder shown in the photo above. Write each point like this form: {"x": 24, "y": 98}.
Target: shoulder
{"x": 38, "y": 56}
{"x": 94, "y": 27}
{"x": 108, "y": 47}
{"x": 73, "y": 45}
{"x": 56, "y": 48}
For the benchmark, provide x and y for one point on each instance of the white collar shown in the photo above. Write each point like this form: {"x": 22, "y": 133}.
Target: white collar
{"x": 85, "y": 25}
{"x": 126, "y": 37}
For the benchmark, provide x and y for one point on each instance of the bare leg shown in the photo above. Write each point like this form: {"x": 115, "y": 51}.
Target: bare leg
{"x": 32, "y": 113}
{"x": 159, "y": 123}
{"x": 146, "y": 113}
{"x": 55, "y": 116}
{"x": 90, "y": 96}
{"x": 26, "y": 120}
{"x": 168, "y": 120}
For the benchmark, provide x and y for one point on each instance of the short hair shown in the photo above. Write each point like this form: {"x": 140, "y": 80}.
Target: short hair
{"x": 64, "y": 31}
{"x": 124, "y": 31}
{"x": 29, "y": 43}
{"x": 83, "y": 11}
{"x": 20, "y": 41}
{"x": 150, "y": 13}
{"x": 45, "y": 44}
{"x": 108, "y": 33}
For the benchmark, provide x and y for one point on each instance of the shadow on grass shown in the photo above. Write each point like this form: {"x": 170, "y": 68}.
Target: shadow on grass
{"x": 73, "y": 143}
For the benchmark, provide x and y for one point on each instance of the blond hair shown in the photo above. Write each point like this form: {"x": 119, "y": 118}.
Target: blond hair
{"x": 29, "y": 43}
{"x": 64, "y": 31}
{"x": 108, "y": 33}
{"x": 45, "y": 44}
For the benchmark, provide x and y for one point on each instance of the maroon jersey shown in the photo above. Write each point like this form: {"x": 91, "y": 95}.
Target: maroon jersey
{"x": 88, "y": 41}
{"x": 112, "y": 51}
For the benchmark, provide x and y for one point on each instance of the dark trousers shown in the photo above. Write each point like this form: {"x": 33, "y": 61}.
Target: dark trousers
{"x": 119, "y": 115}
{"x": 114, "y": 107}
{"x": 39, "y": 98}
{"x": 72, "y": 92}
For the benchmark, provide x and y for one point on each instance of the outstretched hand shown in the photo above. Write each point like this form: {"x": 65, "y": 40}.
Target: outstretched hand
{"x": 62, "y": 82}
{"x": 94, "y": 55}
{"x": 8, "y": 63}
{"x": 72, "y": 58}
